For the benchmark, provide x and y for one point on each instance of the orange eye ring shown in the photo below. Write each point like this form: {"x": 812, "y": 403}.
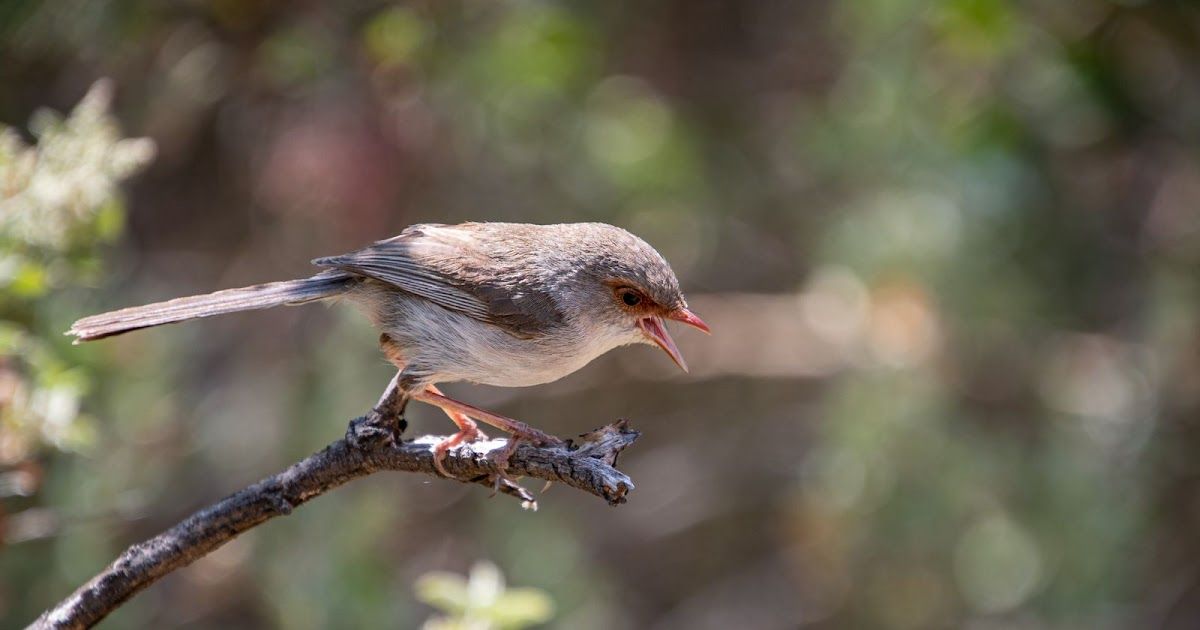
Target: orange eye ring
{"x": 629, "y": 297}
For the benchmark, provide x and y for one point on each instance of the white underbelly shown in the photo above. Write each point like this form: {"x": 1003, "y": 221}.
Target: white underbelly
{"x": 450, "y": 346}
{"x": 527, "y": 362}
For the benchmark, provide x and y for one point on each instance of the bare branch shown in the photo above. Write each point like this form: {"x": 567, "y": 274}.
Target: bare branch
{"x": 368, "y": 447}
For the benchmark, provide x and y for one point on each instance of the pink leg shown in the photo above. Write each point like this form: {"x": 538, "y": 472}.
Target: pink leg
{"x": 467, "y": 432}
{"x": 461, "y": 413}
{"x": 519, "y": 430}
{"x": 515, "y": 427}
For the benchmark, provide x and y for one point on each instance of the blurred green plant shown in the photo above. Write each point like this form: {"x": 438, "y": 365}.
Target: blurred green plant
{"x": 393, "y": 36}
{"x": 69, "y": 180}
{"x": 481, "y": 601}
{"x": 59, "y": 200}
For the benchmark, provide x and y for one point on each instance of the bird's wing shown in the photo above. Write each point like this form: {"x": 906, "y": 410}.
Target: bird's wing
{"x": 462, "y": 268}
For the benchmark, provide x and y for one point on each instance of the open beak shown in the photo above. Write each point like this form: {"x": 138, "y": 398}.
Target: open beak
{"x": 689, "y": 318}
{"x": 656, "y": 331}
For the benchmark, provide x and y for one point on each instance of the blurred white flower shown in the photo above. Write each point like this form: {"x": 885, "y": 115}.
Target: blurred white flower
{"x": 70, "y": 175}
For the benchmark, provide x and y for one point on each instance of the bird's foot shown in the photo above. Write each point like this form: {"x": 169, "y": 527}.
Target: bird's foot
{"x": 502, "y": 455}
{"x": 500, "y": 459}
{"x": 469, "y": 433}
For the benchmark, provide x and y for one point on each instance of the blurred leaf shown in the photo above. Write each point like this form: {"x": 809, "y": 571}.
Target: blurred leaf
{"x": 109, "y": 221}
{"x": 521, "y": 607}
{"x": 29, "y": 281}
{"x": 482, "y": 601}
{"x": 445, "y": 591}
{"x": 537, "y": 47}
{"x": 70, "y": 176}
{"x": 392, "y": 36}
{"x": 296, "y": 55}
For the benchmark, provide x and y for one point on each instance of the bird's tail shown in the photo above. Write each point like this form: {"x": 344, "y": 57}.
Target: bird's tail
{"x": 322, "y": 285}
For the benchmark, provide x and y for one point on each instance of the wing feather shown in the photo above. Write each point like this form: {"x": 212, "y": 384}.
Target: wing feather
{"x": 459, "y": 268}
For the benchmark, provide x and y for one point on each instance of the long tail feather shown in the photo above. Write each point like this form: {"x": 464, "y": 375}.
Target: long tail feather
{"x": 322, "y": 285}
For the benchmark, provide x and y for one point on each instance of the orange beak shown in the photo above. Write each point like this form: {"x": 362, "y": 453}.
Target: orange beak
{"x": 656, "y": 331}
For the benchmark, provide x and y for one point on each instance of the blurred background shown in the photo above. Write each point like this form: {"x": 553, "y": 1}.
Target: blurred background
{"x": 948, "y": 249}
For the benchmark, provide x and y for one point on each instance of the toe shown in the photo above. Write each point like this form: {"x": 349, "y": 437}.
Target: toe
{"x": 442, "y": 448}
{"x": 439, "y": 456}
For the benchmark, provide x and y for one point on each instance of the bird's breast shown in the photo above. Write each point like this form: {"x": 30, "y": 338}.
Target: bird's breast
{"x": 451, "y": 346}
{"x": 506, "y": 361}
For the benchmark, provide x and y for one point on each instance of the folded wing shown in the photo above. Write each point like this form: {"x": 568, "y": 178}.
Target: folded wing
{"x": 463, "y": 268}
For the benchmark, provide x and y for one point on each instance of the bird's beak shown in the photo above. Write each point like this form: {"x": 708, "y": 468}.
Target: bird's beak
{"x": 689, "y": 318}
{"x": 656, "y": 331}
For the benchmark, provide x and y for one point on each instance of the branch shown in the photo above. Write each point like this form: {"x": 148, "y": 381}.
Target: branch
{"x": 369, "y": 447}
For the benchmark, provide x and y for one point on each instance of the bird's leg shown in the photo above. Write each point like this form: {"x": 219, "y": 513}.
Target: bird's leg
{"x": 462, "y": 414}
{"x": 519, "y": 430}
{"x": 467, "y": 432}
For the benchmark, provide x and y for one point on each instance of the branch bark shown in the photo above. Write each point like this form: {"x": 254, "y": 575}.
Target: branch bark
{"x": 370, "y": 446}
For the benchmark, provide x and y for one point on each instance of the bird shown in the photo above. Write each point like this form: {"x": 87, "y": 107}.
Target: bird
{"x": 504, "y": 304}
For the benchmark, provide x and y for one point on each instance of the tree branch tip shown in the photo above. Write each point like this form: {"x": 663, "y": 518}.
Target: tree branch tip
{"x": 618, "y": 431}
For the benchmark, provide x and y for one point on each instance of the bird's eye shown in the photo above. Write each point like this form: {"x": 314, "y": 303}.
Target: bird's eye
{"x": 629, "y": 297}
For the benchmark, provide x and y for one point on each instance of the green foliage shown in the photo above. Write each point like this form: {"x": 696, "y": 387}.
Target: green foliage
{"x": 393, "y": 36}
{"x": 51, "y": 190}
{"x": 482, "y": 601}
{"x": 58, "y": 202}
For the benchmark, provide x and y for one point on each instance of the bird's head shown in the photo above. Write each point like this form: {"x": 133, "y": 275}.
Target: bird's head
{"x": 629, "y": 291}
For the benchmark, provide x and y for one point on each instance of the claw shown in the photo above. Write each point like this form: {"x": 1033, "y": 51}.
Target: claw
{"x": 468, "y": 433}
{"x": 439, "y": 455}
{"x": 501, "y": 460}
{"x": 463, "y": 414}
{"x": 502, "y": 456}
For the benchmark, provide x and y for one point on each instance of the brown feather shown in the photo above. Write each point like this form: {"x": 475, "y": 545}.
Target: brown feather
{"x": 466, "y": 268}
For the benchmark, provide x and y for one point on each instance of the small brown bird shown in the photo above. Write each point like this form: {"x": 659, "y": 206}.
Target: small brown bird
{"x": 507, "y": 304}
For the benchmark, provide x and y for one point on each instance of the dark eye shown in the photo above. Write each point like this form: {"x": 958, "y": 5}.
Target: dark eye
{"x": 629, "y": 297}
